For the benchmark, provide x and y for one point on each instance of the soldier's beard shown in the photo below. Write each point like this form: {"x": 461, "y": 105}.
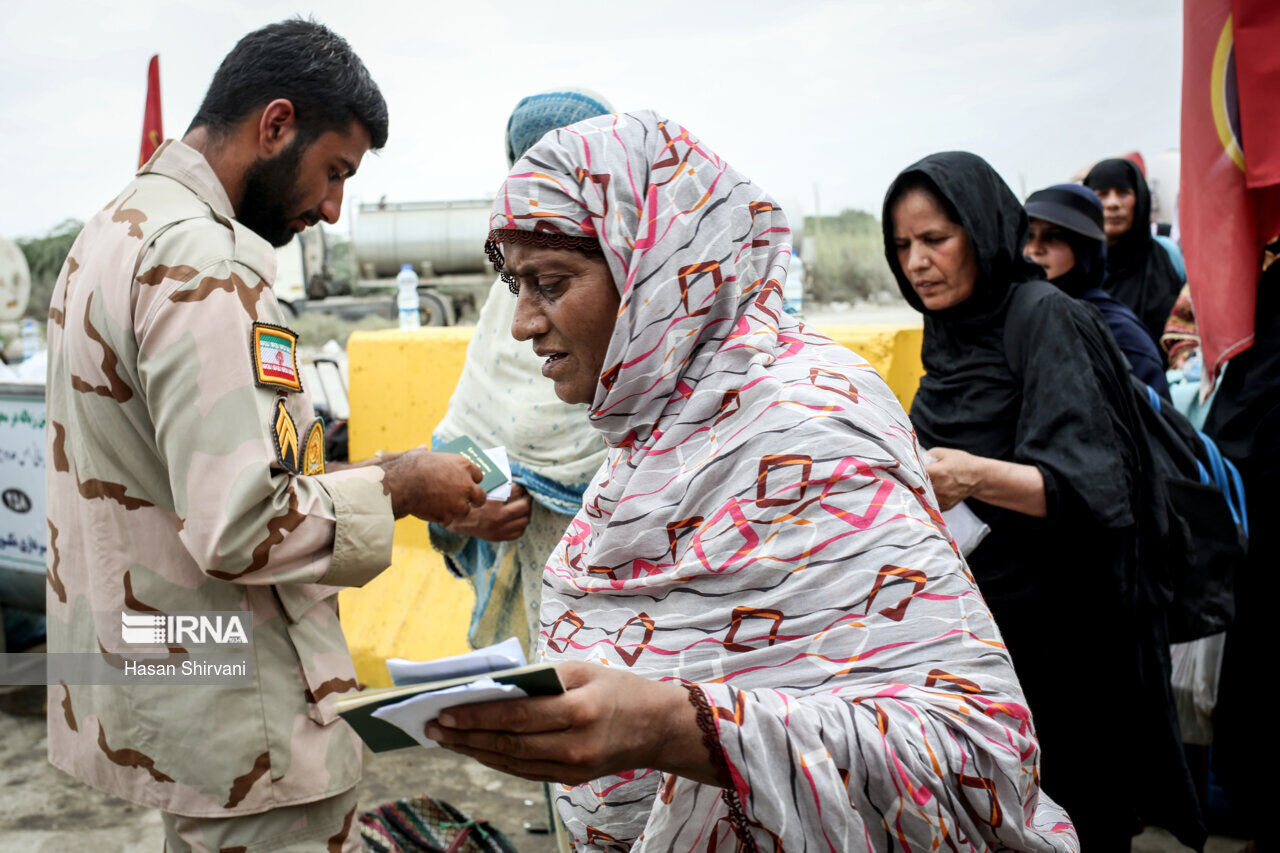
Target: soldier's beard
{"x": 270, "y": 196}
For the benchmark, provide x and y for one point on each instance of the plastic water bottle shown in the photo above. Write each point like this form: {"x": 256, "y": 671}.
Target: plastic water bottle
{"x": 30, "y": 338}
{"x": 1192, "y": 367}
{"x": 407, "y": 298}
{"x": 793, "y": 288}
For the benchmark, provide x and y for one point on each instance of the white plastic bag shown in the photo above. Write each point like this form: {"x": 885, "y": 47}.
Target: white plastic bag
{"x": 1196, "y": 667}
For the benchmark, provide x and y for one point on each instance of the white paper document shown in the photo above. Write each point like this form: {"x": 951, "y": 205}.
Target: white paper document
{"x": 412, "y": 715}
{"x": 505, "y": 655}
{"x": 966, "y": 528}
{"x": 499, "y": 457}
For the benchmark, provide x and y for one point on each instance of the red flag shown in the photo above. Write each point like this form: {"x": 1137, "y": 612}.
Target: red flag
{"x": 1257, "y": 27}
{"x": 152, "y": 127}
{"x": 1229, "y": 201}
{"x": 1229, "y": 208}
{"x": 1135, "y": 157}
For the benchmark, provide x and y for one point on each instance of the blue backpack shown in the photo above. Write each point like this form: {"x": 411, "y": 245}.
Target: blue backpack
{"x": 1197, "y": 522}
{"x": 1192, "y": 526}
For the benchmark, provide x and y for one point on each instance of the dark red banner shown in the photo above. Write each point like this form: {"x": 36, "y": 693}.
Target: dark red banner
{"x": 152, "y": 126}
{"x": 1227, "y": 207}
{"x": 1256, "y": 26}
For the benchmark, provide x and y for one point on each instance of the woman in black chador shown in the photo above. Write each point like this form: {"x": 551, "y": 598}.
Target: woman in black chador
{"x": 1027, "y": 410}
{"x": 1245, "y": 422}
{"x": 1139, "y": 271}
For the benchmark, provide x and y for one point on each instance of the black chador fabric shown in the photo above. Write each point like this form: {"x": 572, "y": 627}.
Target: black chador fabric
{"x": 1051, "y": 389}
{"x": 1249, "y": 393}
{"x": 1245, "y": 421}
{"x": 1139, "y": 271}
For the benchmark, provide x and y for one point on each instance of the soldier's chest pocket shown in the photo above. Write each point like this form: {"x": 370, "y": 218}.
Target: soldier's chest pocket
{"x": 311, "y": 622}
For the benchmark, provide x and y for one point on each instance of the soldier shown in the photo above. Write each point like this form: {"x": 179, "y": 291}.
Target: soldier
{"x": 186, "y": 468}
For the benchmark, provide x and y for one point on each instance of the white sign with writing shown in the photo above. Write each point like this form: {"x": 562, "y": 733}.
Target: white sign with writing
{"x": 23, "y": 532}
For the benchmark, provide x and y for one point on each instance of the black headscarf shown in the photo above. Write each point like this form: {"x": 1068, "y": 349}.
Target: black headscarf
{"x": 1077, "y": 213}
{"x": 1090, "y": 268}
{"x": 984, "y": 206}
{"x": 1139, "y": 271}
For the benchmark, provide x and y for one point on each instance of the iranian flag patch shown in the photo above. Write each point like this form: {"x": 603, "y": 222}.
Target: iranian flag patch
{"x": 275, "y": 360}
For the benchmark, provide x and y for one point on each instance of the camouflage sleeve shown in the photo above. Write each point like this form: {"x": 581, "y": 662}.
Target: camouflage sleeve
{"x": 246, "y": 514}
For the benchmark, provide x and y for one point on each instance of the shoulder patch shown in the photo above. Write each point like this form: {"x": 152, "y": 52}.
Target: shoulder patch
{"x": 285, "y": 435}
{"x": 313, "y": 453}
{"x": 274, "y": 350}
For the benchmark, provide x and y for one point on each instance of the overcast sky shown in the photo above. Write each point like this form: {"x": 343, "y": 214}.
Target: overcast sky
{"x": 825, "y": 100}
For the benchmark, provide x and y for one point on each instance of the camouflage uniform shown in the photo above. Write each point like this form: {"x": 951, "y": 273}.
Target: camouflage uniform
{"x": 327, "y": 826}
{"x": 166, "y": 491}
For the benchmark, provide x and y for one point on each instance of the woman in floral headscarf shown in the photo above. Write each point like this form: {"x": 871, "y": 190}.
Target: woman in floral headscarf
{"x": 766, "y": 635}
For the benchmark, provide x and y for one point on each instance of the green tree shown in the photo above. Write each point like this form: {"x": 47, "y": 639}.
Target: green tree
{"x": 45, "y": 256}
{"x": 341, "y": 262}
{"x": 848, "y": 262}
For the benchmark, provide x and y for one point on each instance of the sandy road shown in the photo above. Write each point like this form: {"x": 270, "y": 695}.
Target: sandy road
{"x": 42, "y": 810}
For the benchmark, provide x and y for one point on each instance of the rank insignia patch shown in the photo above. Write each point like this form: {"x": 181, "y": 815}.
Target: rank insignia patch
{"x": 275, "y": 357}
{"x": 285, "y": 434}
{"x": 313, "y": 453}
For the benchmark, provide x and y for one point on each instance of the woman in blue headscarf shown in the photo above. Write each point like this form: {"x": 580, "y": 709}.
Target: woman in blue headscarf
{"x": 502, "y": 547}
{"x": 1067, "y": 239}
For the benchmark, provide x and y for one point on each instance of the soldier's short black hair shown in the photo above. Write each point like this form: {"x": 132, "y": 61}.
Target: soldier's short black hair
{"x": 304, "y": 62}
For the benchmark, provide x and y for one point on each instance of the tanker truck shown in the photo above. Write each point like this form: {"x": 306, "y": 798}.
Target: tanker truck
{"x": 23, "y": 532}
{"x": 15, "y": 287}
{"x": 442, "y": 240}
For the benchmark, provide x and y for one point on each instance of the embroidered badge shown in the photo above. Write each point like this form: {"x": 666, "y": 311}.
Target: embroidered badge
{"x": 285, "y": 434}
{"x": 313, "y": 454}
{"x": 275, "y": 357}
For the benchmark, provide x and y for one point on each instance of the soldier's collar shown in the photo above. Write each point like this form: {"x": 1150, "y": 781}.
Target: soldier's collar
{"x": 184, "y": 164}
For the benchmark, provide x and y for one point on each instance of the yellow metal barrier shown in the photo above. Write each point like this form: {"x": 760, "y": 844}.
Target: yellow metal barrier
{"x": 400, "y": 388}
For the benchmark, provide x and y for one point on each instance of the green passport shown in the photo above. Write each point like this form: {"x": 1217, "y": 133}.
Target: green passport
{"x": 539, "y": 679}
{"x": 464, "y": 445}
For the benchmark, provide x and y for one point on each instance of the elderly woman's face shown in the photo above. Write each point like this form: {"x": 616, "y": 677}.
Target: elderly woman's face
{"x": 566, "y": 306}
{"x": 934, "y": 252}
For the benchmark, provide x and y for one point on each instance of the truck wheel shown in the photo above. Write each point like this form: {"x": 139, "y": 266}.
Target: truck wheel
{"x": 288, "y": 310}
{"x": 434, "y": 309}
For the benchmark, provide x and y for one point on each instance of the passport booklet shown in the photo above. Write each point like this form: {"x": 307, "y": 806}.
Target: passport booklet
{"x": 390, "y": 718}
{"x": 493, "y": 477}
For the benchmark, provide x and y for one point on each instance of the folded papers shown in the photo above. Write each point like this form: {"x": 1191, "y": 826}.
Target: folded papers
{"x": 395, "y": 717}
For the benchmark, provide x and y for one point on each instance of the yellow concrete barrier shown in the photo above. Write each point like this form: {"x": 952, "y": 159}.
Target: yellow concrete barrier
{"x": 400, "y": 388}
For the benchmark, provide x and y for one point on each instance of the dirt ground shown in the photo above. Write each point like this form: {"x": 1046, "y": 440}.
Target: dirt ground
{"x": 42, "y": 810}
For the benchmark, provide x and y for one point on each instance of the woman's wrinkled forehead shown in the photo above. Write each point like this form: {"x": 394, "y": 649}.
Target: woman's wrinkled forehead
{"x": 915, "y": 190}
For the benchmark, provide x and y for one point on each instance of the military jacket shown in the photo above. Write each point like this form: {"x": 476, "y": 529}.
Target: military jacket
{"x": 174, "y": 485}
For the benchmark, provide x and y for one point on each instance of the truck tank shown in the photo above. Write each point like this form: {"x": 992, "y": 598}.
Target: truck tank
{"x": 437, "y": 237}
{"x": 15, "y": 282}
{"x": 301, "y": 266}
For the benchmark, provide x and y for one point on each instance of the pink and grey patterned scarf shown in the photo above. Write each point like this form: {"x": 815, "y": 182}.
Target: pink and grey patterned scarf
{"x": 762, "y": 528}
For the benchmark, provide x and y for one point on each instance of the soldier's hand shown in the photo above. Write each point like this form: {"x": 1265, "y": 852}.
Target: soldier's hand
{"x": 497, "y": 521}
{"x": 439, "y": 487}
